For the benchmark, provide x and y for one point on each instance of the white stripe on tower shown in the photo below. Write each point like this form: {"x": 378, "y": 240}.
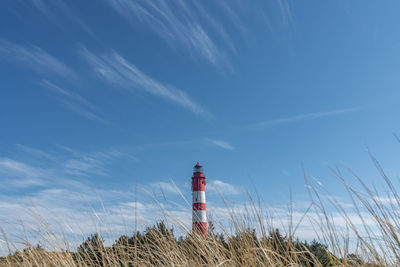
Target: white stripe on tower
{"x": 199, "y": 196}
{"x": 199, "y": 217}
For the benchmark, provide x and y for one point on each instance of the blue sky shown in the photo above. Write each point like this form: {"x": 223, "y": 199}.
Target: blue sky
{"x": 107, "y": 96}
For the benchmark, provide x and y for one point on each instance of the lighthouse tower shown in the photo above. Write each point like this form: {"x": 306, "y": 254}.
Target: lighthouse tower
{"x": 199, "y": 217}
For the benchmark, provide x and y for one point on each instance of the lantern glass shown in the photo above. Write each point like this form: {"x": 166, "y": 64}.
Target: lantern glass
{"x": 198, "y": 169}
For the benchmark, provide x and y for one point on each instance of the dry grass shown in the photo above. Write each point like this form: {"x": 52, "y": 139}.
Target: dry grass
{"x": 164, "y": 251}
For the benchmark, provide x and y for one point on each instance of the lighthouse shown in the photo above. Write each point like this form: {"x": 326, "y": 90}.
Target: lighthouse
{"x": 199, "y": 217}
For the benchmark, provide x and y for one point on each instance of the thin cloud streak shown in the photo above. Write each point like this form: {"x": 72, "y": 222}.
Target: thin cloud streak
{"x": 118, "y": 71}
{"x": 35, "y": 58}
{"x": 165, "y": 187}
{"x": 58, "y": 12}
{"x": 307, "y": 116}
{"x": 34, "y": 152}
{"x": 55, "y": 169}
{"x": 222, "y": 144}
{"x": 74, "y": 102}
{"x": 218, "y": 186}
{"x": 64, "y": 92}
{"x": 20, "y": 175}
{"x": 286, "y": 12}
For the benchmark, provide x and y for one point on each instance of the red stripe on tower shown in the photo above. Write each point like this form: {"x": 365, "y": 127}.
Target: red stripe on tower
{"x": 199, "y": 217}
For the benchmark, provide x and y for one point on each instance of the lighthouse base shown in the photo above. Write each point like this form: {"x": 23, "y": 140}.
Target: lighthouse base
{"x": 200, "y": 227}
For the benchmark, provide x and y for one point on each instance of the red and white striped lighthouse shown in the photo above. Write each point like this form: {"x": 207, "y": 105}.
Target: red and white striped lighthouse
{"x": 199, "y": 217}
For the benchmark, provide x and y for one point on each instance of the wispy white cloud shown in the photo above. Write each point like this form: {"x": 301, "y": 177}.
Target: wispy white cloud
{"x": 18, "y": 174}
{"x": 286, "y": 12}
{"x": 37, "y": 153}
{"x": 233, "y": 9}
{"x": 56, "y": 167}
{"x": 307, "y": 116}
{"x": 74, "y": 102}
{"x": 222, "y": 144}
{"x": 178, "y": 23}
{"x": 69, "y": 94}
{"x": 118, "y": 71}
{"x": 385, "y": 200}
{"x": 204, "y": 30}
{"x": 58, "y": 13}
{"x": 38, "y": 60}
{"x": 91, "y": 163}
{"x": 223, "y": 188}
{"x": 166, "y": 187}
{"x": 34, "y": 58}
{"x": 85, "y": 166}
